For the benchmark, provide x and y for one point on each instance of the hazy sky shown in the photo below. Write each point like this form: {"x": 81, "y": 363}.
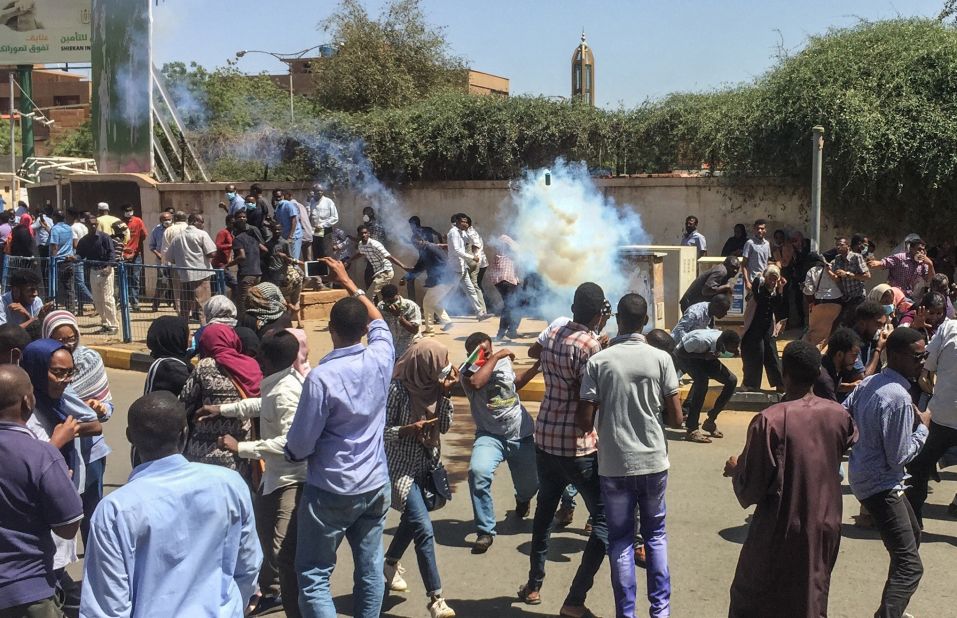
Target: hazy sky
{"x": 643, "y": 49}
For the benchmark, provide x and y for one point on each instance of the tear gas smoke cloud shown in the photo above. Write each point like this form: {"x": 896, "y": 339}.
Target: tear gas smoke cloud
{"x": 569, "y": 232}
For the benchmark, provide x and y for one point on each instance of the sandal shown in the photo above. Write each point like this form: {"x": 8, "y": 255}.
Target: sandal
{"x": 697, "y": 436}
{"x": 529, "y": 596}
{"x": 712, "y": 428}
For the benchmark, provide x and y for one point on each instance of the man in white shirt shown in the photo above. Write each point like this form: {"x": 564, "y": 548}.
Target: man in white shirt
{"x": 276, "y": 500}
{"x": 693, "y": 238}
{"x": 324, "y": 217}
{"x": 179, "y": 225}
{"x": 179, "y": 538}
{"x": 937, "y": 377}
{"x": 461, "y": 260}
{"x": 191, "y": 252}
{"x": 477, "y": 272}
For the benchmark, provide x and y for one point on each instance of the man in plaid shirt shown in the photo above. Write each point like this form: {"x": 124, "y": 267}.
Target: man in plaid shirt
{"x": 379, "y": 259}
{"x": 904, "y": 270}
{"x": 851, "y": 270}
{"x": 564, "y": 454}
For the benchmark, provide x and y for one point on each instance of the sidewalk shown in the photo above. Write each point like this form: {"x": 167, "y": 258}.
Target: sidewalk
{"x": 135, "y": 356}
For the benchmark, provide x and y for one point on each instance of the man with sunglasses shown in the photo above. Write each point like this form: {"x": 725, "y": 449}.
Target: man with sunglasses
{"x": 886, "y": 418}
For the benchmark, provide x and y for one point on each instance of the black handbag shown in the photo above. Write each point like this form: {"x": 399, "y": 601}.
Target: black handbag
{"x": 436, "y": 492}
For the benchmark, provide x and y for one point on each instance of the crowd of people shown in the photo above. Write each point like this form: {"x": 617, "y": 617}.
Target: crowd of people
{"x": 244, "y": 452}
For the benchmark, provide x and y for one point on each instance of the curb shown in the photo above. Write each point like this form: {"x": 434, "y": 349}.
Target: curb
{"x": 119, "y": 358}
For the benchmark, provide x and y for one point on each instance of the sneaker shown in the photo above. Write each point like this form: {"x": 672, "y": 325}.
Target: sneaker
{"x": 393, "y": 577}
{"x": 522, "y": 508}
{"x": 513, "y": 334}
{"x": 440, "y": 609}
{"x": 448, "y": 326}
{"x": 696, "y": 435}
{"x": 482, "y": 543}
{"x": 564, "y": 516}
{"x": 500, "y": 336}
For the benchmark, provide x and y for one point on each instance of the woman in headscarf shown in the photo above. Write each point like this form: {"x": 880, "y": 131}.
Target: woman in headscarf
{"x": 217, "y": 310}
{"x": 418, "y": 410}
{"x": 220, "y": 310}
{"x": 61, "y": 418}
{"x": 91, "y": 386}
{"x": 302, "y": 360}
{"x": 883, "y": 295}
{"x": 224, "y": 375}
{"x": 250, "y": 341}
{"x": 168, "y": 342}
{"x": 266, "y": 309}
{"x": 758, "y": 346}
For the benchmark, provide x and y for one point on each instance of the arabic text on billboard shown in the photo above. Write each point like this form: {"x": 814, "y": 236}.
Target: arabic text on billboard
{"x": 44, "y": 31}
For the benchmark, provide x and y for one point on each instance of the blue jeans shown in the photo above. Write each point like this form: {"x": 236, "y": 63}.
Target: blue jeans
{"x": 622, "y": 494}
{"x": 134, "y": 274}
{"x": 487, "y": 453}
{"x": 554, "y": 473}
{"x": 324, "y": 519}
{"x": 83, "y": 293}
{"x": 415, "y": 525}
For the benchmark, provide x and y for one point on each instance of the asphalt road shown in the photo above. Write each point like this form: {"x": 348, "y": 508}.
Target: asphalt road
{"x": 705, "y": 527}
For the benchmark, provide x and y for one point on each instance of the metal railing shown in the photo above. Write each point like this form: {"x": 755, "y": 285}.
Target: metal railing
{"x": 125, "y": 296}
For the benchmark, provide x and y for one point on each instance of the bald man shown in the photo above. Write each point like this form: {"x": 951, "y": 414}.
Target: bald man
{"x": 208, "y": 561}
{"x": 39, "y": 498}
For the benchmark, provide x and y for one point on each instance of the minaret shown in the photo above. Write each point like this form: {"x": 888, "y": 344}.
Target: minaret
{"x": 583, "y": 73}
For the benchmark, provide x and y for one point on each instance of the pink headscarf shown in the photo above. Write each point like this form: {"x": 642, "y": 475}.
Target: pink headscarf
{"x": 302, "y": 361}
{"x": 222, "y": 344}
{"x": 901, "y": 302}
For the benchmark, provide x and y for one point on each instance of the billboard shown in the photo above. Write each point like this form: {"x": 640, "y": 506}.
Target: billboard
{"x": 122, "y": 85}
{"x": 44, "y": 31}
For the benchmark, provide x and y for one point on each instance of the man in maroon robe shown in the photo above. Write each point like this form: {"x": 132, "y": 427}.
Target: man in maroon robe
{"x": 789, "y": 469}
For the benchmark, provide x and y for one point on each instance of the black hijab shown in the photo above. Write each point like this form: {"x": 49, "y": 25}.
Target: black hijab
{"x": 168, "y": 337}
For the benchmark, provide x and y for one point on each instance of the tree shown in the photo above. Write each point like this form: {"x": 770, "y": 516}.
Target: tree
{"x": 394, "y": 60}
{"x": 76, "y": 143}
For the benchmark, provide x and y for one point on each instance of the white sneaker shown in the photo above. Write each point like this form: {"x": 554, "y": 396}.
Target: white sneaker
{"x": 439, "y": 609}
{"x": 393, "y": 577}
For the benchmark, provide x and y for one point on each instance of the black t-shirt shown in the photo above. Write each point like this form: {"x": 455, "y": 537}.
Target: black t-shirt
{"x": 703, "y": 288}
{"x": 248, "y": 241}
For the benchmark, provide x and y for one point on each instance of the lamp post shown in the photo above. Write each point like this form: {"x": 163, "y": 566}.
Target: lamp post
{"x": 283, "y": 58}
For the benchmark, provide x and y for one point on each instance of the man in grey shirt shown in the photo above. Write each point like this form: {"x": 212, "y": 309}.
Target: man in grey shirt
{"x": 631, "y": 386}
{"x": 503, "y": 432}
{"x": 756, "y": 253}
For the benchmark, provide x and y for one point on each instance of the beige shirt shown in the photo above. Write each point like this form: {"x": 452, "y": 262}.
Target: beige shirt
{"x": 276, "y": 410}
{"x": 171, "y": 233}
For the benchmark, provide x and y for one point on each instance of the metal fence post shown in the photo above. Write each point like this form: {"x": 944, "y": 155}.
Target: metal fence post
{"x": 124, "y": 304}
{"x": 51, "y": 280}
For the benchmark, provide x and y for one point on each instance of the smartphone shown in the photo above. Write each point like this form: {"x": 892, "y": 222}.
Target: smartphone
{"x": 317, "y": 269}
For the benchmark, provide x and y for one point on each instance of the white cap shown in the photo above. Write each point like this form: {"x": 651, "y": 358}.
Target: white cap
{"x": 102, "y": 206}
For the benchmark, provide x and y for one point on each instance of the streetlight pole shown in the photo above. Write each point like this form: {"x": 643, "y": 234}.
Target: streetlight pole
{"x": 817, "y": 155}
{"x": 283, "y": 58}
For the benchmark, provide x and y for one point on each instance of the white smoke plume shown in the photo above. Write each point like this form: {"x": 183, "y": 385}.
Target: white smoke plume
{"x": 569, "y": 232}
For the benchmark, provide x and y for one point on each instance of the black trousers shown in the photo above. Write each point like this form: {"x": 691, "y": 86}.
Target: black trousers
{"x": 702, "y": 372}
{"x": 758, "y": 348}
{"x": 941, "y": 438}
{"x": 507, "y": 321}
{"x": 900, "y": 532}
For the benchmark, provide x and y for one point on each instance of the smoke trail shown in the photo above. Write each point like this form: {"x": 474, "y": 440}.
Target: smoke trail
{"x": 569, "y": 232}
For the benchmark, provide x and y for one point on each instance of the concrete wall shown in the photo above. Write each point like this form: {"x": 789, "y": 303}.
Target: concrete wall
{"x": 662, "y": 202}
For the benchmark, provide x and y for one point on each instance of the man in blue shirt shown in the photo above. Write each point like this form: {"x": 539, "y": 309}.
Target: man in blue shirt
{"x": 61, "y": 250}
{"x": 885, "y": 415}
{"x": 38, "y": 497}
{"x": 287, "y": 213}
{"x": 338, "y": 429}
{"x": 234, "y": 202}
{"x": 179, "y": 539}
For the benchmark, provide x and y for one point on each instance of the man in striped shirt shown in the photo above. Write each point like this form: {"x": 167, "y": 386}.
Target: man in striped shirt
{"x": 379, "y": 259}
{"x": 564, "y": 454}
